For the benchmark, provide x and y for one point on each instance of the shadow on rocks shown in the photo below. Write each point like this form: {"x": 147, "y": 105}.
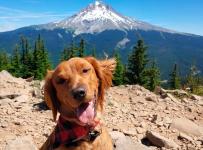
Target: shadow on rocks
{"x": 145, "y": 141}
{"x": 41, "y": 106}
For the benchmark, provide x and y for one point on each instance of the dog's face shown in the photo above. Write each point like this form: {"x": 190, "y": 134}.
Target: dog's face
{"x": 75, "y": 82}
{"x": 76, "y": 88}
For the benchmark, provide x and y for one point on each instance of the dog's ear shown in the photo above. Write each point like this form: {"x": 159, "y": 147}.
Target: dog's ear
{"x": 50, "y": 94}
{"x": 104, "y": 70}
{"x": 107, "y": 68}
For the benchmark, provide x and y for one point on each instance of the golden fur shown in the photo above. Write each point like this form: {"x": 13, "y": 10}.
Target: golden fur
{"x": 96, "y": 77}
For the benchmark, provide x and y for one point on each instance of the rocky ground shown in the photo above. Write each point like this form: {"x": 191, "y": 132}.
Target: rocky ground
{"x": 135, "y": 117}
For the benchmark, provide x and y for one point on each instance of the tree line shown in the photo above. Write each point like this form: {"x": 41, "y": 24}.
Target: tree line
{"x": 27, "y": 61}
{"x": 143, "y": 71}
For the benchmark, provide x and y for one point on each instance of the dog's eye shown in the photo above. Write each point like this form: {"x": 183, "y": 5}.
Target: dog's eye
{"x": 60, "y": 80}
{"x": 86, "y": 70}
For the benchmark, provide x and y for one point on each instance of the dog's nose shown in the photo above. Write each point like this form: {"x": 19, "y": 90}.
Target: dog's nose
{"x": 79, "y": 93}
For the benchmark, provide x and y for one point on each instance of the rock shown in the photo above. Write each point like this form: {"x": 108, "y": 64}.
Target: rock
{"x": 186, "y": 137}
{"x": 179, "y": 93}
{"x": 21, "y": 99}
{"x": 195, "y": 97}
{"x": 122, "y": 142}
{"x": 4, "y": 124}
{"x": 30, "y": 79}
{"x": 157, "y": 120}
{"x": 130, "y": 132}
{"x": 172, "y": 98}
{"x": 186, "y": 126}
{"x": 5, "y": 74}
{"x": 5, "y": 101}
{"x": 157, "y": 90}
{"x": 21, "y": 143}
{"x": 160, "y": 141}
{"x": 10, "y": 96}
{"x": 151, "y": 98}
{"x": 167, "y": 120}
{"x": 139, "y": 146}
{"x": 160, "y": 124}
{"x": 42, "y": 83}
{"x": 184, "y": 100}
{"x": 200, "y": 102}
{"x": 124, "y": 110}
{"x": 163, "y": 92}
{"x": 143, "y": 124}
{"x": 129, "y": 108}
{"x": 140, "y": 130}
{"x": 37, "y": 93}
{"x": 17, "y": 121}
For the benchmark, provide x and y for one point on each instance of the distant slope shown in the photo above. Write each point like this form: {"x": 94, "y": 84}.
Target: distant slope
{"x": 105, "y": 29}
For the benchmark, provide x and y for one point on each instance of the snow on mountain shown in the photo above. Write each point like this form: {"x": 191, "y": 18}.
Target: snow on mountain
{"x": 98, "y": 17}
{"x": 122, "y": 43}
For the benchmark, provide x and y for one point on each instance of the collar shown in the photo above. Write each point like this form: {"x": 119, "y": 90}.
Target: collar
{"x": 68, "y": 133}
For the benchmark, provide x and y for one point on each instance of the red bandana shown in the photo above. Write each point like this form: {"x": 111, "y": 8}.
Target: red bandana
{"x": 68, "y": 133}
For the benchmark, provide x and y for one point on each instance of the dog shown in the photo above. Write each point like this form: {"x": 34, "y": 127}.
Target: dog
{"x": 75, "y": 90}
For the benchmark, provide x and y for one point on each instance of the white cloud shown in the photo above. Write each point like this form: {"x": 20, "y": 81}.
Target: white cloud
{"x": 14, "y": 18}
{"x": 33, "y": 16}
{"x": 7, "y": 27}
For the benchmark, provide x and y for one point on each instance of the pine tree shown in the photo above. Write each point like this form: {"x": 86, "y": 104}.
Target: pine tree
{"x": 174, "y": 81}
{"x": 73, "y": 50}
{"x": 153, "y": 74}
{"x": 4, "y": 61}
{"x": 94, "y": 52}
{"x": 40, "y": 59}
{"x": 82, "y": 48}
{"x": 26, "y": 59}
{"x": 193, "y": 79}
{"x": 45, "y": 59}
{"x": 137, "y": 62}
{"x": 22, "y": 43}
{"x": 125, "y": 78}
{"x": 37, "y": 70}
{"x": 118, "y": 75}
{"x": 66, "y": 54}
{"x": 15, "y": 62}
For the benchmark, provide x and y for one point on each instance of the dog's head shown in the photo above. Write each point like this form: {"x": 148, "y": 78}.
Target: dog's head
{"x": 76, "y": 88}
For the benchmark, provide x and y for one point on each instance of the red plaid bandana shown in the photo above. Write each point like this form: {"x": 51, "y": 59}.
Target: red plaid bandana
{"x": 68, "y": 133}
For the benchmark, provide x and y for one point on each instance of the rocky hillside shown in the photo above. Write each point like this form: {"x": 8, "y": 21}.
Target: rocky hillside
{"x": 135, "y": 117}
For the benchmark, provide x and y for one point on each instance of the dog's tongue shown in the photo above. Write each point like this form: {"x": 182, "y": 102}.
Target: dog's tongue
{"x": 86, "y": 112}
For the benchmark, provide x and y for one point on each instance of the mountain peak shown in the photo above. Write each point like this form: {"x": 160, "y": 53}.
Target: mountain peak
{"x": 98, "y": 17}
{"x": 98, "y": 2}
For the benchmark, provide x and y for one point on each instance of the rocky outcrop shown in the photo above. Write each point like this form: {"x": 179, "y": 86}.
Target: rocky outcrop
{"x": 160, "y": 141}
{"x": 122, "y": 142}
{"x": 21, "y": 143}
{"x": 186, "y": 126}
{"x": 135, "y": 117}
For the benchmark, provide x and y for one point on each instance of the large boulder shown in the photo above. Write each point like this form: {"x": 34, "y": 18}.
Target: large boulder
{"x": 160, "y": 141}
{"x": 13, "y": 90}
{"x": 122, "y": 142}
{"x": 21, "y": 143}
{"x": 186, "y": 126}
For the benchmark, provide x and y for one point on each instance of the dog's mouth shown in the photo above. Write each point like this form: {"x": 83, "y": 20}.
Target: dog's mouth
{"x": 86, "y": 112}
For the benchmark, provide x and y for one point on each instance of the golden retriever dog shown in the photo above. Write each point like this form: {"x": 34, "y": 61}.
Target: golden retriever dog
{"x": 75, "y": 90}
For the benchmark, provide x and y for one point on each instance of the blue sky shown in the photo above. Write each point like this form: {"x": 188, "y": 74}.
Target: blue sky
{"x": 180, "y": 15}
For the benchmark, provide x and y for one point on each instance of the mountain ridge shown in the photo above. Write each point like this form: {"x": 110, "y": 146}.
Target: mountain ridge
{"x": 98, "y": 17}
{"x": 166, "y": 47}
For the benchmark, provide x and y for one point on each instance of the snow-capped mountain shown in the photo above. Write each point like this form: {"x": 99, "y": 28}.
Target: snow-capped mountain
{"x": 98, "y": 17}
{"x": 105, "y": 30}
